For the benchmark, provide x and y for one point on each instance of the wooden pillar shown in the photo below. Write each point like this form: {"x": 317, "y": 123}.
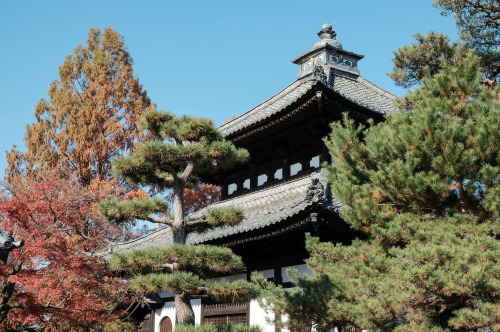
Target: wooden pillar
{"x": 324, "y": 156}
{"x": 286, "y": 168}
{"x": 305, "y": 164}
{"x": 224, "y": 189}
{"x": 253, "y": 177}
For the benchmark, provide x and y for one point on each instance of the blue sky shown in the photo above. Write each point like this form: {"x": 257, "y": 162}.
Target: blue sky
{"x": 205, "y": 58}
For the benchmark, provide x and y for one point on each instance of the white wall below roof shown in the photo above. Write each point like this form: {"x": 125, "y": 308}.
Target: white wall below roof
{"x": 302, "y": 268}
{"x": 168, "y": 309}
{"x": 258, "y": 317}
{"x": 233, "y": 278}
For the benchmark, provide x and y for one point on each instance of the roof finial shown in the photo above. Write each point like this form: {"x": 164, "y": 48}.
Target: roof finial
{"x": 327, "y": 32}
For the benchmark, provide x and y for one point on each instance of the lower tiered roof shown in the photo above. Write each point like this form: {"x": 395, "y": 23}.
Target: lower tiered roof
{"x": 263, "y": 207}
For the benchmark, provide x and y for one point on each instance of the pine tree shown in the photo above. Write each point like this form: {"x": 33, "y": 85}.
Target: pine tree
{"x": 423, "y": 187}
{"x": 478, "y": 23}
{"x": 184, "y": 149}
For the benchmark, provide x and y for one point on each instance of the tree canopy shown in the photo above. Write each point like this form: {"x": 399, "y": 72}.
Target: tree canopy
{"x": 90, "y": 116}
{"x": 423, "y": 187}
{"x": 183, "y": 150}
{"x": 57, "y": 280}
{"x": 477, "y": 22}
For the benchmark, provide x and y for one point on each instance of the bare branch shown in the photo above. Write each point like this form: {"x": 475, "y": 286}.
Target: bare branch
{"x": 157, "y": 220}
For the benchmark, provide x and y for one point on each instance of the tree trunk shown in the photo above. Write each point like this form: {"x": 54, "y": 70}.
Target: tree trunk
{"x": 179, "y": 228}
{"x": 184, "y": 314}
{"x": 5, "y": 296}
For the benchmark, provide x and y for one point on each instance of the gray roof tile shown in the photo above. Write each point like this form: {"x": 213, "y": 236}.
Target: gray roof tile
{"x": 358, "y": 90}
{"x": 263, "y": 208}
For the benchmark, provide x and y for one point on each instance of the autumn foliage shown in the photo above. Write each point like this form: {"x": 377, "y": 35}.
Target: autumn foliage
{"x": 58, "y": 279}
{"x": 89, "y": 117}
{"x": 199, "y": 197}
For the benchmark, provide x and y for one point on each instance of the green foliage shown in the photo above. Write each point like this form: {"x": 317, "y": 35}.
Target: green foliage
{"x": 178, "y": 141}
{"x": 178, "y": 281}
{"x": 236, "y": 291}
{"x": 441, "y": 157}
{"x": 220, "y": 328}
{"x": 119, "y": 326}
{"x": 478, "y": 23}
{"x": 228, "y": 215}
{"x": 183, "y": 149}
{"x": 140, "y": 208}
{"x": 183, "y": 269}
{"x": 424, "y": 188}
{"x": 426, "y": 56}
{"x": 204, "y": 260}
{"x": 190, "y": 284}
{"x": 307, "y": 304}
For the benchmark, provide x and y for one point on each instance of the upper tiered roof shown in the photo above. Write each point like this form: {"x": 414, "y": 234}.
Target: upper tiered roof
{"x": 327, "y": 64}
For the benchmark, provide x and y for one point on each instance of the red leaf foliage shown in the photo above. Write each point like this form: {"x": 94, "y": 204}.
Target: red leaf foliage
{"x": 63, "y": 280}
{"x": 199, "y": 197}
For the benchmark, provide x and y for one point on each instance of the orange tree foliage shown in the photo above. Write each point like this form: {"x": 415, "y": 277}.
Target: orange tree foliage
{"x": 90, "y": 116}
{"x": 58, "y": 279}
{"x": 199, "y": 197}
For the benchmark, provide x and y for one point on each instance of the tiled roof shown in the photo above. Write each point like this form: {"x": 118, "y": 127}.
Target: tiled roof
{"x": 263, "y": 208}
{"x": 270, "y": 107}
{"x": 364, "y": 93}
{"x": 358, "y": 90}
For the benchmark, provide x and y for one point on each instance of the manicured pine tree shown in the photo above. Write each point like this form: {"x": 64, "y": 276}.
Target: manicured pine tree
{"x": 423, "y": 186}
{"x": 184, "y": 149}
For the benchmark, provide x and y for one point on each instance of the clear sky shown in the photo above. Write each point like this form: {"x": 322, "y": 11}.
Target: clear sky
{"x": 205, "y": 58}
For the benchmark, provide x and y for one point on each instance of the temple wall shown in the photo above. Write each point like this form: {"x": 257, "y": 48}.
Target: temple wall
{"x": 257, "y": 315}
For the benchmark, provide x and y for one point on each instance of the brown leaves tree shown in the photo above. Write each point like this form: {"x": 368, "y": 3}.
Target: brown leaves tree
{"x": 89, "y": 117}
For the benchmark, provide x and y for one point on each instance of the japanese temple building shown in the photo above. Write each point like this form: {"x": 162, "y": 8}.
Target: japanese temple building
{"x": 282, "y": 189}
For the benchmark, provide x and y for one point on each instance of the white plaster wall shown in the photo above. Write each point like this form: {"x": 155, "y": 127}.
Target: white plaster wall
{"x": 267, "y": 273}
{"x": 302, "y": 268}
{"x": 168, "y": 309}
{"x": 258, "y": 317}
{"x": 196, "y": 304}
{"x": 236, "y": 277}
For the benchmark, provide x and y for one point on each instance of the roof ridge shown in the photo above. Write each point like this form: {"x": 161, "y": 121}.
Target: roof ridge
{"x": 143, "y": 236}
{"x": 294, "y": 84}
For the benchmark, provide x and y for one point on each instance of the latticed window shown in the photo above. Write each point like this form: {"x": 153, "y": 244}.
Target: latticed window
{"x": 225, "y": 313}
{"x": 226, "y": 319}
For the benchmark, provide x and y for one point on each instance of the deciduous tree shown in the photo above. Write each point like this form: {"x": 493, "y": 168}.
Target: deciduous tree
{"x": 90, "y": 116}
{"x": 184, "y": 149}
{"x": 199, "y": 197}
{"x": 58, "y": 279}
{"x": 423, "y": 187}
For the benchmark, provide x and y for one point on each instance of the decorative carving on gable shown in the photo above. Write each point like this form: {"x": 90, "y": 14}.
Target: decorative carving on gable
{"x": 319, "y": 74}
{"x": 316, "y": 192}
